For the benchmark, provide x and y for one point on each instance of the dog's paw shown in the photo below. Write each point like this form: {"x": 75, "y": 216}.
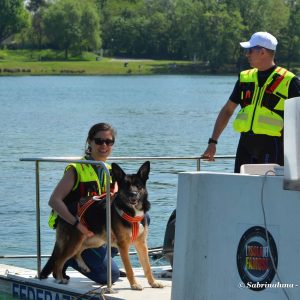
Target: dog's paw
{"x": 156, "y": 284}
{"x": 136, "y": 286}
{"x": 42, "y": 276}
{"x": 66, "y": 277}
{"x": 62, "y": 281}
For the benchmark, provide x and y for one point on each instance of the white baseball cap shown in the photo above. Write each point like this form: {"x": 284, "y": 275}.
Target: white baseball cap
{"x": 263, "y": 39}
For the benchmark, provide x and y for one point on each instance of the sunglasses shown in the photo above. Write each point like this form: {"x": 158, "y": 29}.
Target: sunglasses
{"x": 99, "y": 141}
{"x": 250, "y": 50}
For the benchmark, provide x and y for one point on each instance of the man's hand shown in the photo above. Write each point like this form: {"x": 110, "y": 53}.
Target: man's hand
{"x": 210, "y": 152}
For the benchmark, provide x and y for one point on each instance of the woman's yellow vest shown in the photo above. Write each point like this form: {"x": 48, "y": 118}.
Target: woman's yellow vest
{"x": 88, "y": 183}
{"x": 262, "y": 107}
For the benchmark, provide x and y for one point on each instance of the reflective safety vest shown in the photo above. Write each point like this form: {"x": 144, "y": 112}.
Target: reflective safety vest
{"x": 262, "y": 107}
{"x": 87, "y": 184}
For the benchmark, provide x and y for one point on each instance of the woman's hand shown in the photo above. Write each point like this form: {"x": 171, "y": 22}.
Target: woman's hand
{"x": 84, "y": 230}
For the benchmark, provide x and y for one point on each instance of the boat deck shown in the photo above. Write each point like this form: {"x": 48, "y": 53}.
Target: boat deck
{"x": 22, "y": 283}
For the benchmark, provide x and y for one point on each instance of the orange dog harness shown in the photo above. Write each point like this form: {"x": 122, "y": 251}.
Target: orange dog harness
{"x": 85, "y": 204}
{"x": 135, "y": 222}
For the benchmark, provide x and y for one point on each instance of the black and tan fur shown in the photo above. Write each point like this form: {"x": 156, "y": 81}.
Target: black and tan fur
{"x": 132, "y": 198}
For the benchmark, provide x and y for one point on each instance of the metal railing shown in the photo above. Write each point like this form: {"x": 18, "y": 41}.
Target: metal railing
{"x": 108, "y": 212}
{"x": 38, "y": 214}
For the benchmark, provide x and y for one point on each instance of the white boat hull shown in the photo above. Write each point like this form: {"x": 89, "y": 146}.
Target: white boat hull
{"x": 221, "y": 251}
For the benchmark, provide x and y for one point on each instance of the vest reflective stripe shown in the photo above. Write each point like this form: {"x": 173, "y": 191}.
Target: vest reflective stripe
{"x": 242, "y": 116}
{"x": 243, "y": 119}
{"x": 87, "y": 184}
{"x": 266, "y": 120}
{"x": 256, "y": 117}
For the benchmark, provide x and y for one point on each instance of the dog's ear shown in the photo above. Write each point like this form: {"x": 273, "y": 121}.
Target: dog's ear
{"x": 144, "y": 171}
{"x": 117, "y": 172}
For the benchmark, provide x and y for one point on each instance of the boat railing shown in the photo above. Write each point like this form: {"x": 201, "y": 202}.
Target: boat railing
{"x": 37, "y": 162}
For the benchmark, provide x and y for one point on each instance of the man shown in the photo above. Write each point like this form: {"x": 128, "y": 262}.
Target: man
{"x": 261, "y": 93}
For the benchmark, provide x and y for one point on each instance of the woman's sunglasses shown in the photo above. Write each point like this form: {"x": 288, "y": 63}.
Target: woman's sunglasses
{"x": 99, "y": 141}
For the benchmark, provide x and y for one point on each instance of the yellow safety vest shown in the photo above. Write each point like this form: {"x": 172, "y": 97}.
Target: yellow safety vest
{"x": 262, "y": 107}
{"x": 87, "y": 184}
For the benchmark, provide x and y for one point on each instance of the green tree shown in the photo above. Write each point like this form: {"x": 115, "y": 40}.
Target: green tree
{"x": 186, "y": 29}
{"x": 36, "y": 34}
{"x": 209, "y": 30}
{"x": 290, "y": 37}
{"x": 160, "y": 38}
{"x": 121, "y": 36}
{"x": 220, "y": 35}
{"x": 13, "y": 18}
{"x": 156, "y": 36}
{"x": 35, "y": 5}
{"x": 90, "y": 27}
{"x": 277, "y": 18}
{"x": 72, "y": 24}
{"x": 263, "y": 15}
{"x": 117, "y": 34}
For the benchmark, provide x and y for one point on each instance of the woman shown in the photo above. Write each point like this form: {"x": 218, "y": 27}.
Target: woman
{"x": 87, "y": 180}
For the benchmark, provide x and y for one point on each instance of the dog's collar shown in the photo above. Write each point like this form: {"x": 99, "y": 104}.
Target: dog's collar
{"x": 135, "y": 222}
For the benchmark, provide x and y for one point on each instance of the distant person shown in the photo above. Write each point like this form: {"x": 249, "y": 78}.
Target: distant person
{"x": 261, "y": 93}
{"x": 80, "y": 181}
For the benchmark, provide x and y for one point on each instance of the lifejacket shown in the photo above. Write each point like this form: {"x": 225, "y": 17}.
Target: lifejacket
{"x": 262, "y": 107}
{"x": 87, "y": 184}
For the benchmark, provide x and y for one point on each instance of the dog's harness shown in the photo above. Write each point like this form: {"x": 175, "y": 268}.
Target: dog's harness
{"x": 135, "y": 222}
{"x": 84, "y": 204}
{"x": 81, "y": 209}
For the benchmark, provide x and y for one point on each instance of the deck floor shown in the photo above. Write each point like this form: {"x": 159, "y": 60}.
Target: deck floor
{"x": 79, "y": 284}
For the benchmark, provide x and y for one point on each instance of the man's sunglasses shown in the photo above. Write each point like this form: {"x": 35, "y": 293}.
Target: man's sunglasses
{"x": 250, "y": 50}
{"x": 99, "y": 141}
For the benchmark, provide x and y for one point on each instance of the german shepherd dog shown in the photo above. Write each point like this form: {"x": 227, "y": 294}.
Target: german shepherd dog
{"x": 127, "y": 210}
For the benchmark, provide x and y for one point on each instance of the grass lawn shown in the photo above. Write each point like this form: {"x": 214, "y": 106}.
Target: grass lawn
{"x": 49, "y": 62}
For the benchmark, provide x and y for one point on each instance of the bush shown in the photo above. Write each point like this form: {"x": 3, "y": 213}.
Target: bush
{"x": 3, "y": 54}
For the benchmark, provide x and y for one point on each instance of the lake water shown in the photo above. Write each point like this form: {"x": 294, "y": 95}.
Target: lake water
{"x": 50, "y": 116}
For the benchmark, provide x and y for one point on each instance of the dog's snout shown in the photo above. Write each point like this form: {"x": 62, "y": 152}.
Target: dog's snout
{"x": 133, "y": 194}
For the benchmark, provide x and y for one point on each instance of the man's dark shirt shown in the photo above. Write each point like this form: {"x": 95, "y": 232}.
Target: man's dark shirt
{"x": 294, "y": 88}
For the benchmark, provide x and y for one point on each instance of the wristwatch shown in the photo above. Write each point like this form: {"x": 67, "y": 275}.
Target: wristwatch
{"x": 76, "y": 223}
{"x": 212, "y": 141}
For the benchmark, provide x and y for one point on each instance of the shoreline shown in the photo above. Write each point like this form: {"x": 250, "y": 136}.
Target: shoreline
{"x": 113, "y": 68}
{"x": 24, "y": 65}
{"x": 50, "y": 62}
